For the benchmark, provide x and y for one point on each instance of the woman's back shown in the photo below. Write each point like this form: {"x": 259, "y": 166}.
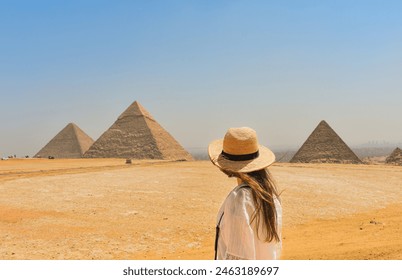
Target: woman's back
{"x": 238, "y": 238}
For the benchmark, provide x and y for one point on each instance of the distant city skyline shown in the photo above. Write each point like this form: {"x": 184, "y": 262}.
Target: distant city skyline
{"x": 200, "y": 67}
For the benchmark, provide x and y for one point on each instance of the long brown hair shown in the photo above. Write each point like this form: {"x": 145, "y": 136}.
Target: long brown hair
{"x": 264, "y": 192}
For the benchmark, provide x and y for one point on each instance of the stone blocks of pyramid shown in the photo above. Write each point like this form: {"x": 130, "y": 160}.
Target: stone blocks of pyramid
{"x": 137, "y": 135}
{"x": 70, "y": 142}
{"x": 395, "y": 157}
{"x": 325, "y": 146}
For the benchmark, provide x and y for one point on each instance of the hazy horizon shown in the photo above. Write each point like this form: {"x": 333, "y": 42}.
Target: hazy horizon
{"x": 203, "y": 149}
{"x": 200, "y": 67}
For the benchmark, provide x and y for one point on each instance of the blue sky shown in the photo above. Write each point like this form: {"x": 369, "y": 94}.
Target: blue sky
{"x": 200, "y": 67}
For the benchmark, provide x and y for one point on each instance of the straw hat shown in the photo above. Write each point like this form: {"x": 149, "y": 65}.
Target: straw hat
{"x": 239, "y": 151}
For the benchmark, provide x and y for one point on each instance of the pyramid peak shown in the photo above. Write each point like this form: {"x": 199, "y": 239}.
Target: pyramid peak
{"x": 323, "y": 125}
{"x": 136, "y": 110}
{"x": 140, "y": 107}
{"x": 397, "y": 150}
{"x": 71, "y": 125}
{"x": 323, "y": 122}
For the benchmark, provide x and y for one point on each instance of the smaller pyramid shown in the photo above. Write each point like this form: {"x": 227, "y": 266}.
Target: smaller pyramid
{"x": 325, "y": 146}
{"x": 137, "y": 135}
{"x": 70, "y": 142}
{"x": 395, "y": 157}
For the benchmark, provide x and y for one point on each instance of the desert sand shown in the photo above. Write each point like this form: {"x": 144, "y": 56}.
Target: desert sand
{"x": 106, "y": 209}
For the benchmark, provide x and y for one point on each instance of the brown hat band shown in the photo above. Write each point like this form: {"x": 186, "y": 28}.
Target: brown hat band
{"x": 240, "y": 157}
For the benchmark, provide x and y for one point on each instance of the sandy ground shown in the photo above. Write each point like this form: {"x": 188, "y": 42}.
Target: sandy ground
{"x": 105, "y": 209}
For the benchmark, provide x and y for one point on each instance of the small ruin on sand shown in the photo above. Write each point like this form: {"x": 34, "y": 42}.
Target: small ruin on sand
{"x": 395, "y": 157}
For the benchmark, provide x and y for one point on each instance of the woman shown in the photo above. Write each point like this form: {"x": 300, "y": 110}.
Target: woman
{"x": 250, "y": 219}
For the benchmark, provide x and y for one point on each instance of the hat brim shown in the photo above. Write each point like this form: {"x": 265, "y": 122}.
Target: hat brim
{"x": 266, "y": 158}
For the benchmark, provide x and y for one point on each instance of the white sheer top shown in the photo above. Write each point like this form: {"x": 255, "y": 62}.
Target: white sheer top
{"x": 237, "y": 238}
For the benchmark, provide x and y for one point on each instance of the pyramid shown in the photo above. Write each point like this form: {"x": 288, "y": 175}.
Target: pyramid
{"x": 70, "y": 142}
{"x": 137, "y": 135}
{"x": 325, "y": 146}
{"x": 395, "y": 157}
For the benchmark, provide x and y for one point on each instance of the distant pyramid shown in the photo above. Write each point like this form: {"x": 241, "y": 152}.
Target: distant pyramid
{"x": 395, "y": 157}
{"x": 71, "y": 142}
{"x": 137, "y": 135}
{"x": 324, "y": 145}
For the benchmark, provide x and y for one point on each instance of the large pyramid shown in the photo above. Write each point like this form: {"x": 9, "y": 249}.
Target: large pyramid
{"x": 70, "y": 142}
{"x": 324, "y": 145}
{"x": 395, "y": 157}
{"x": 137, "y": 135}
